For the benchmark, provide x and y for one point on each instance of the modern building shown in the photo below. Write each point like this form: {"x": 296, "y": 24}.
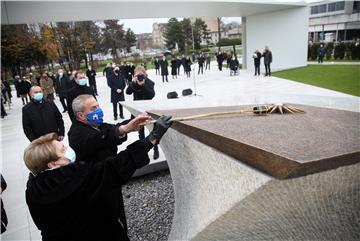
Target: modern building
{"x": 144, "y": 41}
{"x": 334, "y": 21}
{"x": 158, "y": 35}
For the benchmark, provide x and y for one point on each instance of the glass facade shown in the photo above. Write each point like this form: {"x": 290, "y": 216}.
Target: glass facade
{"x": 331, "y": 7}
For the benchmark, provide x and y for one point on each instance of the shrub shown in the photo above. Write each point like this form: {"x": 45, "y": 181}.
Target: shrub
{"x": 329, "y": 49}
{"x": 339, "y": 51}
{"x": 229, "y": 42}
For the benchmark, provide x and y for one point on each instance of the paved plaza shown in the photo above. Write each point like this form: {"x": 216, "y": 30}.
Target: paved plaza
{"x": 213, "y": 88}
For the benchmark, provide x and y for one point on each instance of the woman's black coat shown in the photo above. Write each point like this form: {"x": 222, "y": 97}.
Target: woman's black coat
{"x": 164, "y": 67}
{"x": 70, "y": 202}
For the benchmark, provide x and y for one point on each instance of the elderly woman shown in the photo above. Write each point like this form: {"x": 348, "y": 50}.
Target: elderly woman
{"x": 67, "y": 199}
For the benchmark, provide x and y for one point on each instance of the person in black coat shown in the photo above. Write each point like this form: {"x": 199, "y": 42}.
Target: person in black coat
{"x": 257, "y": 58}
{"x": 6, "y": 91}
{"x": 62, "y": 85}
{"x": 178, "y": 64}
{"x": 267, "y": 60}
{"x": 91, "y": 73}
{"x": 142, "y": 88}
{"x": 173, "y": 65}
{"x": 23, "y": 90}
{"x": 234, "y": 65}
{"x": 4, "y": 220}
{"x": 117, "y": 85}
{"x": 95, "y": 141}
{"x": 188, "y": 64}
{"x": 40, "y": 117}
{"x": 75, "y": 206}
{"x": 164, "y": 69}
{"x": 183, "y": 62}
{"x": 201, "y": 61}
{"x": 220, "y": 59}
{"x": 80, "y": 88}
{"x": 157, "y": 66}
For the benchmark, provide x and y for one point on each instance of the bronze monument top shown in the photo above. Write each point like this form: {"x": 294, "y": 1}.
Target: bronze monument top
{"x": 282, "y": 146}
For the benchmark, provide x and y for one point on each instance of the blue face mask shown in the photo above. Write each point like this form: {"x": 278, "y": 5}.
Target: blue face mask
{"x": 38, "y": 96}
{"x": 70, "y": 154}
{"x": 82, "y": 82}
{"x": 95, "y": 117}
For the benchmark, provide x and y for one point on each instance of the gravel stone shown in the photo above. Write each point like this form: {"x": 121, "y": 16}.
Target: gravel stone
{"x": 149, "y": 206}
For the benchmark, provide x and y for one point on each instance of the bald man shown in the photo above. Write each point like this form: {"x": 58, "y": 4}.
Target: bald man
{"x": 40, "y": 117}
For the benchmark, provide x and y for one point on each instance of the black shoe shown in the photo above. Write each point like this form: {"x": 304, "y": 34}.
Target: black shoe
{"x": 64, "y": 111}
{"x": 115, "y": 117}
{"x": 122, "y": 117}
{"x": 156, "y": 154}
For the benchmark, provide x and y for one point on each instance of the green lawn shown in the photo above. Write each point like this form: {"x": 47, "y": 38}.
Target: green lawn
{"x": 342, "y": 78}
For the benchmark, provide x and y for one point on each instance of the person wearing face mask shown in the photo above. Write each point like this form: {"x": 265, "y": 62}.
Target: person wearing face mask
{"x": 62, "y": 85}
{"x": 234, "y": 65}
{"x": 91, "y": 73}
{"x": 94, "y": 141}
{"x": 142, "y": 88}
{"x": 164, "y": 69}
{"x": 117, "y": 85}
{"x": 47, "y": 86}
{"x": 75, "y": 206}
{"x": 80, "y": 88}
{"x": 40, "y": 116}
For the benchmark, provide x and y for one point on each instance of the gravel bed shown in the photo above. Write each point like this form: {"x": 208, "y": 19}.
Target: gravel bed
{"x": 149, "y": 206}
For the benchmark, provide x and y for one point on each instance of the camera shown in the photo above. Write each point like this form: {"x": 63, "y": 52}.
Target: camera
{"x": 141, "y": 77}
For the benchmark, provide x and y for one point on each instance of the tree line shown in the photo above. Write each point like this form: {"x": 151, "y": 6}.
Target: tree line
{"x": 180, "y": 34}
{"x": 66, "y": 43}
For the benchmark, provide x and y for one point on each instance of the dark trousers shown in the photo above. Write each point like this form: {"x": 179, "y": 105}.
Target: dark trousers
{"x": 320, "y": 59}
{"x": 257, "y": 69}
{"x": 93, "y": 86}
{"x": 201, "y": 67}
{"x": 188, "y": 74}
{"x": 178, "y": 70}
{"x": 62, "y": 101}
{"x": 157, "y": 71}
{"x": 3, "y": 112}
{"x": 164, "y": 77}
{"x": 220, "y": 66}
{"x": 267, "y": 70}
{"x": 207, "y": 65}
{"x": 115, "y": 109}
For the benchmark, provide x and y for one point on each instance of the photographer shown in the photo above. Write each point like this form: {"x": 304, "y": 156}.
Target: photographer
{"x": 69, "y": 200}
{"x": 143, "y": 89}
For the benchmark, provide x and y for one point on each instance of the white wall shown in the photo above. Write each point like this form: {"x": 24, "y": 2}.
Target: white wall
{"x": 286, "y": 34}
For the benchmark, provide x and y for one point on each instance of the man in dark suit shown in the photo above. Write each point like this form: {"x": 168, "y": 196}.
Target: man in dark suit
{"x": 62, "y": 85}
{"x": 267, "y": 60}
{"x": 80, "y": 88}
{"x": 164, "y": 69}
{"x": 40, "y": 117}
{"x": 91, "y": 73}
{"x": 117, "y": 85}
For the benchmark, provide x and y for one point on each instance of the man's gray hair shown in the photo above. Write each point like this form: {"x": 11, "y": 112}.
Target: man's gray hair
{"x": 78, "y": 103}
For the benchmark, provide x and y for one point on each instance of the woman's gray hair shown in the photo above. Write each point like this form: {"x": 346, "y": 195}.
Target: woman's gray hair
{"x": 78, "y": 103}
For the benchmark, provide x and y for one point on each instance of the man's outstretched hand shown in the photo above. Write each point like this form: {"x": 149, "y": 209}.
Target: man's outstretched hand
{"x": 134, "y": 124}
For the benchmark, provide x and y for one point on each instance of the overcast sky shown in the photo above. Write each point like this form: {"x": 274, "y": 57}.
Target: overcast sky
{"x": 144, "y": 25}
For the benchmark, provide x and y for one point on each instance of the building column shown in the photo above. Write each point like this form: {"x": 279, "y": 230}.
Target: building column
{"x": 243, "y": 43}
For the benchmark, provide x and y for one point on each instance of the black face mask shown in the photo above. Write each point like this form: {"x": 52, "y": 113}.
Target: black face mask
{"x": 117, "y": 71}
{"x": 141, "y": 77}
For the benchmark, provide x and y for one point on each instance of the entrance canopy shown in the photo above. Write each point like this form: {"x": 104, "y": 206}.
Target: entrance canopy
{"x": 22, "y": 12}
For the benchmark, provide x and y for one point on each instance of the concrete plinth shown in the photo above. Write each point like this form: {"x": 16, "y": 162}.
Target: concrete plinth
{"x": 275, "y": 177}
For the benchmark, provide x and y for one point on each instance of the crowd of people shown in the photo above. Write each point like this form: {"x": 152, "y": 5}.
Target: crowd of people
{"x": 84, "y": 200}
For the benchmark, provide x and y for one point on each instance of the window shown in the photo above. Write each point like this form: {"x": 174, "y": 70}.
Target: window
{"x": 340, "y": 6}
{"x": 331, "y": 7}
{"x": 318, "y": 9}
